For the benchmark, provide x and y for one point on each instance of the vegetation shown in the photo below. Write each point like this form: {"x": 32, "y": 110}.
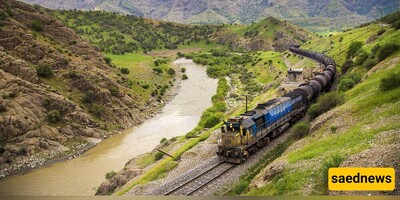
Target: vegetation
{"x": 300, "y": 129}
{"x": 325, "y": 103}
{"x": 163, "y": 140}
{"x": 37, "y": 25}
{"x": 390, "y": 82}
{"x": 44, "y": 71}
{"x": 184, "y": 77}
{"x": 110, "y": 175}
{"x": 158, "y": 156}
{"x": 119, "y": 34}
{"x": 53, "y": 116}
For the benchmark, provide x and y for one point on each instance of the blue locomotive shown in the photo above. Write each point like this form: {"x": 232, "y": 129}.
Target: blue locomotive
{"x": 244, "y": 134}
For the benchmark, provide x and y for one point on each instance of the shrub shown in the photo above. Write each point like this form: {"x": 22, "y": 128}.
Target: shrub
{"x": 113, "y": 90}
{"x": 380, "y": 32}
{"x": 88, "y": 97}
{"x": 124, "y": 70}
{"x": 171, "y": 72}
{"x": 72, "y": 74}
{"x": 158, "y": 156}
{"x": 44, "y": 71}
{"x": 158, "y": 70}
{"x": 54, "y": 116}
{"x": 362, "y": 56}
{"x": 211, "y": 121}
{"x": 300, "y": 129}
{"x": 386, "y": 50}
{"x": 107, "y": 60}
{"x": 329, "y": 100}
{"x": 390, "y": 82}
{"x": 396, "y": 25}
{"x": 346, "y": 84}
{"x": 333, "y": 128}
{"x": 369, "y": 63}
{"x": 353, "y": 48}
{"x": 110, "y": 174}
{"x": 2, "y": 108}
{"x": 96, "y": 109}
{"x": 37, "y": 25}
{"x": 241, "y": 187}
{"x": 325, "y": 103}
{"x": 23, "y": 151}
{"x": 65, "y": 61}
{"x": 183, "y": 70}
{"x": 163, "y": 140}
{"x": 335, "y": 161}
{"x": 184, "y": 77}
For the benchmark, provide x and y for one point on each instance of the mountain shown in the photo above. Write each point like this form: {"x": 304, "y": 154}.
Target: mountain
{"x": 57, "y": 93}
{"x": 315, "y": 15}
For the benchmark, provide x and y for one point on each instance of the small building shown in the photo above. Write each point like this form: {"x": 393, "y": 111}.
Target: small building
{"x": 295, "y": 75}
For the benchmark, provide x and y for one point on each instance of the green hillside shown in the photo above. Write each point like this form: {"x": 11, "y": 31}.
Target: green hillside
{"x": 351, "y": 134}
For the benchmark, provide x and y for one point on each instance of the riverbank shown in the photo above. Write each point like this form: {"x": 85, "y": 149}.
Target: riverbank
{"x": 40, "y": 160}
{"x": 177, "y": 117}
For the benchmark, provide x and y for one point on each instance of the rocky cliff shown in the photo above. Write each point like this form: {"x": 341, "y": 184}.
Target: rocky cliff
{"x": 56, "y": 91}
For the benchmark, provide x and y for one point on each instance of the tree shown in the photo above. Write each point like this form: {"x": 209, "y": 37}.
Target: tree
{"x": 171, "y": 72}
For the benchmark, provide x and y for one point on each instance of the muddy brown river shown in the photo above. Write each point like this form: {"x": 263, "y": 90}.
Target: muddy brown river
{"x": 81, "y": 176}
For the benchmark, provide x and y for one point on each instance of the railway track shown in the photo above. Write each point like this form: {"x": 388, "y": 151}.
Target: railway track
{"x": 196, "y": 183}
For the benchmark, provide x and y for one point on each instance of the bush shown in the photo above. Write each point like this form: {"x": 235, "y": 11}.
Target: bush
{"x": 329, "y": 100}
{"x": 396, "y": 25}
{"x": 390, "y": 82}
{"x": 113, "y": 90}
{"x": 380, "y": 32}
{"x": 158, "y": 156}
{"x": 325, "y": 103}
{"x": 300, "y": 129}
{"x": 211, "y": 121}
{"x": 369, "y": 63}
{"x": 72, "y": 74}
{"x": 183, "y": 70}
{"x": 335, "y": 161}
{"x": 44, "y": 71}
{"x": 124, "y": 70}
{"x": 37, "y": 25}
{"x": 110, "y": 174}
{"x": 346, "y": 84}
{"x": 362, "y": 56}
{"x": 353, "y": 48}
{"x": 53, "y": 116}
{"x": 163, "y": 140}
{"x": 241, "y": 187}
{"x": 96, "y": 109}
{"x": 171, "y": 72}
{"x": 184, "y": 77}
{"x": 157, "y": 70}
{"x": 89, "y": 97}
{"x": 107, "y": 60}
{"x": 386, "y": 50}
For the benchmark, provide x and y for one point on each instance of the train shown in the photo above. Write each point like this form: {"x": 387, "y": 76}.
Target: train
{"x": 243, "y": 135}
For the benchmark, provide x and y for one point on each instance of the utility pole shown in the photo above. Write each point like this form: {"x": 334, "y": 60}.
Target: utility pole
{"x": 246, "y": 100}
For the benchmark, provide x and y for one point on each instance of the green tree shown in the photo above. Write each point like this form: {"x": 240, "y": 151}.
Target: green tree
{"x": 54, "y": 116}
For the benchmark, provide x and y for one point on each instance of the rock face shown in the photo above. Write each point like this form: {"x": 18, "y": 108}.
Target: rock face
{"x": 43, "y": 117}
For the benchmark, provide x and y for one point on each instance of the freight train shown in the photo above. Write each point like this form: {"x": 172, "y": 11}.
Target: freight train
{"x": 245, "y": 134}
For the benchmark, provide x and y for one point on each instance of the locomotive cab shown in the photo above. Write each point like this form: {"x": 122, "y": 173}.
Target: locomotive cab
{"x": 232, "y": 140}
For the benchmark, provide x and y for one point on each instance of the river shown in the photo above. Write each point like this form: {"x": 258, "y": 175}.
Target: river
{"x": 81, "y": 176}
